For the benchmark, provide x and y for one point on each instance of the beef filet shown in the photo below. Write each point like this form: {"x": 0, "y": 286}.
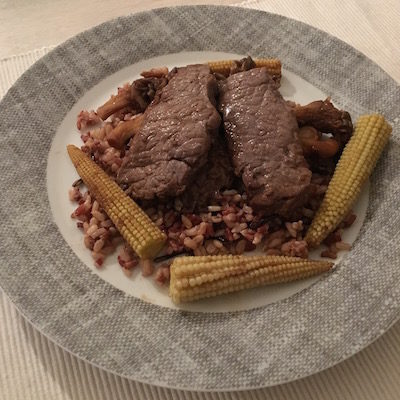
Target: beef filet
{"x": 261, "y": 131}
{"x": 173, "y": 143}
{"x": 216, "y": 175}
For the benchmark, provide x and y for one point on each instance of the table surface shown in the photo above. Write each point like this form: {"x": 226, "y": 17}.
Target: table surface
{"x": 368, "y": 25}
{"x": 33, "y": 367}
{"x": 30, "y": 24}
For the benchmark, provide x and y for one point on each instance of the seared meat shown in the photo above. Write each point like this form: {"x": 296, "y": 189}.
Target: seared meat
{"x": 261, "y": 131}
{"x": 216, "y": 175}
{"x": 325, "y": 117}
{"x": 173, "y": 142}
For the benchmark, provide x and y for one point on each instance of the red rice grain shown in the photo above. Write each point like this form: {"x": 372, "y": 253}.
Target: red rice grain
{"x": 162, "y": 275}
{"x": 295, "y": 248}
{"x": 87, "y": 118}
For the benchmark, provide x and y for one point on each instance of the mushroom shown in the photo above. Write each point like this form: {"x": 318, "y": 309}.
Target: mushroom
{"x": 312, "y": 142}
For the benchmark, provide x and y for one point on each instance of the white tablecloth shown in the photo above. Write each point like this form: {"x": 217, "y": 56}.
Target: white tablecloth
{"x": 32, "y": 367}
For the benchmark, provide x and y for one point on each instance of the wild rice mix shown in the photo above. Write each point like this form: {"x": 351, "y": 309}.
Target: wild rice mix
{"x": 229, "y": 226}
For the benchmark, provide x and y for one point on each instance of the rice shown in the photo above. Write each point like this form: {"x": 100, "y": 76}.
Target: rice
{"x": 225, "y": 228}
{"x": 295, "y": 248}
{"x": 99, "y": 231}
{"x": 86, "y": 119}
{"x": 162, "y": 274}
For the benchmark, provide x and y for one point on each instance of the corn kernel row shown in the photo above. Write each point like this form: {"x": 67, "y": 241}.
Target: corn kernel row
{"x": 273, "y": 66}
{"x": 194, "y": 278}
{"x": 131, "y": 221}
{"x": 353, "y": 169}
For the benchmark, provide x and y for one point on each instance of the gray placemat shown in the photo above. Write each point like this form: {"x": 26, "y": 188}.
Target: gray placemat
{"x": 76, "y": 309}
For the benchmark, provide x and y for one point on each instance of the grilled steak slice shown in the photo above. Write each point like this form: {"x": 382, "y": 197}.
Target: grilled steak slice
{"x": 261, "y": 131}
{"x": 173, "y": 143}
{"x": 216, "y": 175}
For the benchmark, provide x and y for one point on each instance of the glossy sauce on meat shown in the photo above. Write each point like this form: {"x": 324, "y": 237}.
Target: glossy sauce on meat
{"x": 175, "y": 138}
{"x": 215, "y": 176}
{"x": 261, "y": 132}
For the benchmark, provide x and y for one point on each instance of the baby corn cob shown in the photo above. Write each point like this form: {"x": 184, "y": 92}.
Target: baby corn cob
{"x": 194, "y": 278}
{"x": 353, "y": 169}
{"x": 134, "y": 225}
{"x": 273, "y": 66}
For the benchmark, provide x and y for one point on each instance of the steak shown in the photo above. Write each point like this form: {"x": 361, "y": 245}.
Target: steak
{"x": 261, "y": 131}
{"x": 173, "y": 142}
{"x": 216, "y": 175}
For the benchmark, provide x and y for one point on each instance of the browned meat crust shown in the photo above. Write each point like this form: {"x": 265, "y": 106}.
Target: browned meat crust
{"x": 216, "y": 175}
{"x": 261, "y": 132}
{"x": 173, "y": 142}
